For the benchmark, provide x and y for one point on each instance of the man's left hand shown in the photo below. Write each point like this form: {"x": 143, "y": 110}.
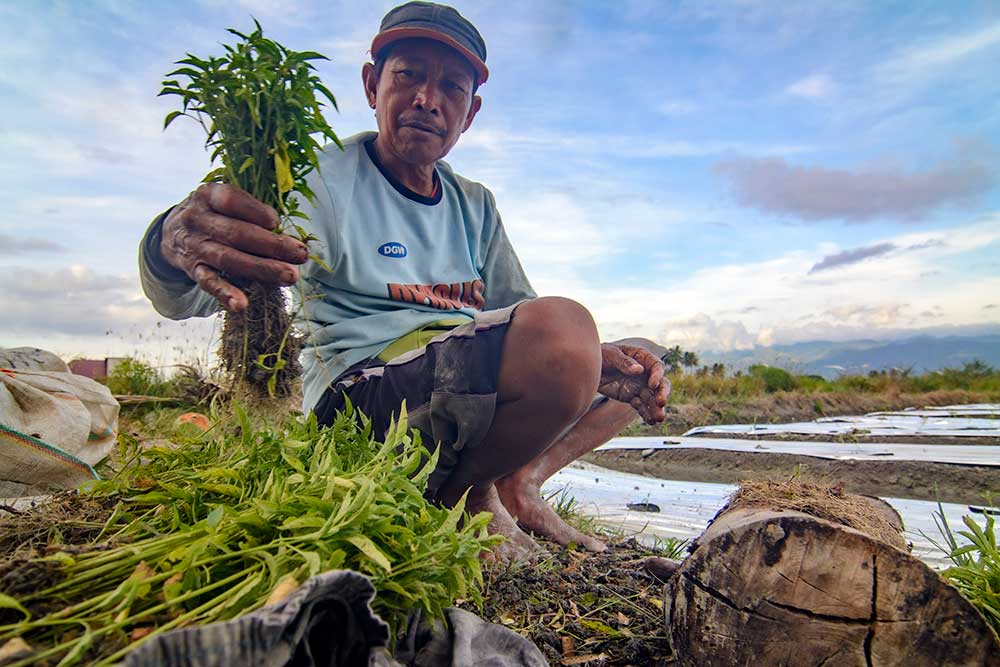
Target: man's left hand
{"x": 635, "y": 376}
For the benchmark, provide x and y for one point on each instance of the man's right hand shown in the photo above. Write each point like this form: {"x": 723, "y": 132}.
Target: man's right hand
{"x": 222, "y": 229}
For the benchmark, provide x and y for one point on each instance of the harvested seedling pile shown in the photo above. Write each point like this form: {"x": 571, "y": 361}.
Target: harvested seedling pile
{"x": 259, "y": 107}
{"x": 206, "y": 531}
{"x": 581, "y": 608}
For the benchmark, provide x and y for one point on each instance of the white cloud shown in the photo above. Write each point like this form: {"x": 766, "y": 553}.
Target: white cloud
{"x": 929, "y": 59}
{"x": 777, "y": 301}
{"x": 500, "y": 142}
{"x": 76, "y": 311}
{"x": 813, "y": 87}
{"x": 678, "y": 107}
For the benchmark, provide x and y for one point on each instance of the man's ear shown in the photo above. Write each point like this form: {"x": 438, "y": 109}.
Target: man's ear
{"x": 370, "y": 82}
{"x": 477, "y": 103}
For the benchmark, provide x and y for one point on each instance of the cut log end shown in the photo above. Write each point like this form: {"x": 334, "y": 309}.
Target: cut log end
{"x": 784, "y": 588}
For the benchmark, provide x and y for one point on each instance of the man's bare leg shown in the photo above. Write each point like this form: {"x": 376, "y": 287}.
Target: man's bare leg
{"x": 548, "y": 376}
{"x": 520, "y": 491}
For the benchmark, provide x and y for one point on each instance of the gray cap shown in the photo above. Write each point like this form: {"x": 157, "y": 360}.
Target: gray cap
{"x": 438, "y": 22}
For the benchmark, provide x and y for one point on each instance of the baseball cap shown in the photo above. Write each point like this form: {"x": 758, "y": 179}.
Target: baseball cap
{"x": 438, "y": 22}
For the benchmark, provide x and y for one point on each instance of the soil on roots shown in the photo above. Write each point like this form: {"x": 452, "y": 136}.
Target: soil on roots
{"x": 260, "y": 340}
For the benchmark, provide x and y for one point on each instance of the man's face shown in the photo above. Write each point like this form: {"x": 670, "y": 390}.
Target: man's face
{"x": 423, "y": 99}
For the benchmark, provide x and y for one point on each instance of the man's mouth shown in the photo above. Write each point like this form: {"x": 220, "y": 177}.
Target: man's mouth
{"x": 423, "y": 127}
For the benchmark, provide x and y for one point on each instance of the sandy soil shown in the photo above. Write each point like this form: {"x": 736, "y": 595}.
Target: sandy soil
{"x": 901, "y": 479}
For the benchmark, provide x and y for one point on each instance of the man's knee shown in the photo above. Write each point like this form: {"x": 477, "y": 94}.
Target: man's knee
{"x": 558, "y": 347}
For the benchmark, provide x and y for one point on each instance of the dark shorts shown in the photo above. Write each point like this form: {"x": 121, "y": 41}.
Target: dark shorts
{"x": 449, "y": 385}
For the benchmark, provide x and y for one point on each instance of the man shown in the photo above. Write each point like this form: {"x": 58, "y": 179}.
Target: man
{"x": 422, "y": 298}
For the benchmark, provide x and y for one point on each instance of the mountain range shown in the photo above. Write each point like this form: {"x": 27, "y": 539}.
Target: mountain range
{"x": 830, "y": 359}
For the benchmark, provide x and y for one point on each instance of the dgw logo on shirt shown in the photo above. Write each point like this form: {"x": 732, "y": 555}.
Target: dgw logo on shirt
{"x": 392, "y": 249}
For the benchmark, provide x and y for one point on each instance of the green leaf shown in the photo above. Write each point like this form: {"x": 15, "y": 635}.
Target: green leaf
{"x": 368, "y": 548}
{"x": 78, "y": 648}
{"x": 7, "y": 602}
{"x": 215, "y": 517}
{"x": 170, "y": 118}
{"x": 319, "y": 261}
{"x": 309, "y": 55}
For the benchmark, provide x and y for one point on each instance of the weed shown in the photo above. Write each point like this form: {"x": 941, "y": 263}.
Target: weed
{"x": 975, "y": 569}
{"x": 133, "y": 377}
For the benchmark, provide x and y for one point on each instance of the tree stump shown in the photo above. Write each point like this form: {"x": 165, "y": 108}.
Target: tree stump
{"x": 781, "y": 588}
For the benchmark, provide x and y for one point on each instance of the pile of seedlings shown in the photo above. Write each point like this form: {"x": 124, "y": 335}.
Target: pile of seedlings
{"x": 208, "y": 530}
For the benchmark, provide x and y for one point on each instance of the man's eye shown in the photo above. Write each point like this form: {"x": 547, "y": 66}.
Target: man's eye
{"x": 406, "y": 73}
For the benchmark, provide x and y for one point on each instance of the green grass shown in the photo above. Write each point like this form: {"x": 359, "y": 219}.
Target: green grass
{"x": 760, "y": 380}
{"x": 975, "y": 569}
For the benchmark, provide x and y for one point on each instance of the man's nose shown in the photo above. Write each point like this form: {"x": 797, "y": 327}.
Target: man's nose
{"x": 428, "y": 97}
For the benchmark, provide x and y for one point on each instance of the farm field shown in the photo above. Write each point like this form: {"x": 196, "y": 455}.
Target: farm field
{"x": 585, "y": 608}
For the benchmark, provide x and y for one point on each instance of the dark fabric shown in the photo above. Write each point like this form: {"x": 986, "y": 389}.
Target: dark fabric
{"x": 463, "y": 639}
{"x": 327, "y": 622}
{"x": 449, "y": 387}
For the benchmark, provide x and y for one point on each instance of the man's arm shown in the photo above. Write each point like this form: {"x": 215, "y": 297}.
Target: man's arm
{"x": 191, "y": 256}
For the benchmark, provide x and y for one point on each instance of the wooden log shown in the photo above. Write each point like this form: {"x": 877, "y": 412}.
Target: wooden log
{"x": 783, "y": 588}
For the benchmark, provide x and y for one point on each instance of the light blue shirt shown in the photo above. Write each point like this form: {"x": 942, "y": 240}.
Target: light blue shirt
{"x": 397, "y": 262}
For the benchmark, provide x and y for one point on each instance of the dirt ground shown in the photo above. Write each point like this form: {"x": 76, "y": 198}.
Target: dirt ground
{"x": 901, "y": 479}
{"x": 583, "y": 608}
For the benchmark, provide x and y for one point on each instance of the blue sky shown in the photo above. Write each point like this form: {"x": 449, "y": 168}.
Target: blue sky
{"x": 713, "y": 174}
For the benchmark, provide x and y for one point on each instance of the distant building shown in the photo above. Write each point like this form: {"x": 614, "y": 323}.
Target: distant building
{"x": 95, "y": 369}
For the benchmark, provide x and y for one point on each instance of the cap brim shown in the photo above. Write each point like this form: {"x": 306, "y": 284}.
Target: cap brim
{"x": 387, "y": 37}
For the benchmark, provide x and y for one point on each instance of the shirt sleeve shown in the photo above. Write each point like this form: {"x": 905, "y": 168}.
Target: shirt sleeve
{"x": 504, "y": 280}
{"x": 171, "y": 292}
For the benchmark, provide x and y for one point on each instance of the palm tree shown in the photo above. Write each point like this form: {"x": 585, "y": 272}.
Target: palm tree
{"x": 672, "y": 360}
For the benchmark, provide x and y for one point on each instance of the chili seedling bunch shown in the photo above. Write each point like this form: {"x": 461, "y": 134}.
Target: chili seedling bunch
{"x": 207, "y": 531}
{"x": 261, "y": 106}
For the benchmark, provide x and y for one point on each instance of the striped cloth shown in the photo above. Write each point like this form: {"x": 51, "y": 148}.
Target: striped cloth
{"x": 54, "y": 427}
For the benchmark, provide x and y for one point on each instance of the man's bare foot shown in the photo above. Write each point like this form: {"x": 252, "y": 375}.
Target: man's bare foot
{"x": 522, "y": 499}
{"x": 518, "y": 545}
